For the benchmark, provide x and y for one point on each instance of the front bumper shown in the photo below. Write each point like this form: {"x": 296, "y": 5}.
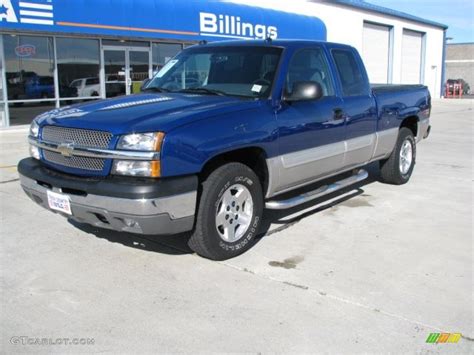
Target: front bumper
{"x": 143, "y": 206}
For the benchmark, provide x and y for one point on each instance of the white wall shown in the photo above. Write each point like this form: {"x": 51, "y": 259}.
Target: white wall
{"x": 345, "y": 25}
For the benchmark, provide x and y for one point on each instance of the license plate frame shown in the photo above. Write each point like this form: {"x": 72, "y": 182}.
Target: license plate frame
{"x": 59, "y": 202}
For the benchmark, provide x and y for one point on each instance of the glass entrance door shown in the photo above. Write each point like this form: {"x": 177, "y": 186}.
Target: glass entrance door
{"x": 125, "y": 69}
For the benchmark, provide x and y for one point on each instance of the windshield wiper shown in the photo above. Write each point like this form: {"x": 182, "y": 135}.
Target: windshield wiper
{"x": 203, "y": 90}
{"x": 156, "y": 89}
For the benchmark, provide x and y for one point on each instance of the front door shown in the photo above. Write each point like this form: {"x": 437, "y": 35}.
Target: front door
{"x": 125, "y": 69}
{"x": 311, "y": 132}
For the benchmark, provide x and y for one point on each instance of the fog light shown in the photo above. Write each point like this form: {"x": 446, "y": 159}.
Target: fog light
{"x": 137, "y": 168}
{"x": 34, "y": 152}
{"x": 129, "y": 222}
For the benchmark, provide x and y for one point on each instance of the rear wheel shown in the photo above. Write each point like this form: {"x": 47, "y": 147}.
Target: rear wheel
{"x": 229, "y": 213}
{"x": 397, "y": 169}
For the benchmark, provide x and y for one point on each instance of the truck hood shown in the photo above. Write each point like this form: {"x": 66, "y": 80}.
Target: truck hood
{"x": 144, "y": 112}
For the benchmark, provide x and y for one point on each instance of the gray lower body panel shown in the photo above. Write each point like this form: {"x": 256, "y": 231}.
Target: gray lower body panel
{"x": 293, "y": 170}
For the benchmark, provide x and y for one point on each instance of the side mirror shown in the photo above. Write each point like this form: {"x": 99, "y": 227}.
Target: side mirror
{"x": 144, "y": 84}
{"x": 305, "y": 91}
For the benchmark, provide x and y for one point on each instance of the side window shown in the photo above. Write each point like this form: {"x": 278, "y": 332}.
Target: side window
{"x": 353, "y": 83}
{"x": 310, "y": 65}
{"x": 92, "y": 81}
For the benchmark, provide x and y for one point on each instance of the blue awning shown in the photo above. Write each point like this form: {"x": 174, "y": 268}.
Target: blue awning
{"x": 165, "y": 19}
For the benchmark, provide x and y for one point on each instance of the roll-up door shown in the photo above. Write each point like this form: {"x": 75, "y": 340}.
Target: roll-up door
{"x": 376, "y": 52}
{"x": 412, "y": 55}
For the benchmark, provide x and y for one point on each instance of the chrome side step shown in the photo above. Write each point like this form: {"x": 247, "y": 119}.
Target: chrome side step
{"x": 360, "y": 175}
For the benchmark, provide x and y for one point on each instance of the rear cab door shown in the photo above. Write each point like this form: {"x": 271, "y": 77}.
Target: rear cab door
{"x": 358, "y": 105}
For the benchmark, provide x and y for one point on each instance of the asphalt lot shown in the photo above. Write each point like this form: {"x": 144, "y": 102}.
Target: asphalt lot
{"x": 375, "y": 269}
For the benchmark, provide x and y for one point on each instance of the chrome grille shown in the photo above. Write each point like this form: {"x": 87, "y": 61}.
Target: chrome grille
{"x": 84, "y": 163}
{"x": 80, "y": 137}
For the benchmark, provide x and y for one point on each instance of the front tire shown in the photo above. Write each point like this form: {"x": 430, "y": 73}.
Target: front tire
{"x": 398, "y": 168}
{"x": 229, "y": 213}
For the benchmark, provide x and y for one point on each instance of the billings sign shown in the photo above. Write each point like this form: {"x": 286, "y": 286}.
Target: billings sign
{"x": 228, "y": 26}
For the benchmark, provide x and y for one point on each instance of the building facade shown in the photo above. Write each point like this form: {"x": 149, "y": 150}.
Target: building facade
{"x": 54, "y": 53}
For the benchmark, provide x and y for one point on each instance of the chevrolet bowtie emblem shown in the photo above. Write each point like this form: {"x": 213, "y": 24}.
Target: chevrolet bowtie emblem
{"x": 66, "y": 149}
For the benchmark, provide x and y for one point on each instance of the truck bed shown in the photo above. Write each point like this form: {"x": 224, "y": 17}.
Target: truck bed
{"x": 397, "y": 102}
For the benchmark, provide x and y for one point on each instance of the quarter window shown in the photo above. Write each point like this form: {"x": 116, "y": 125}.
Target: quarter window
{"x": 352, "y": 81}
{"x": 310, "y": 65}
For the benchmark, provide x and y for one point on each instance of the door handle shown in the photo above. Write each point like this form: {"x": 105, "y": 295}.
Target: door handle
{"x": 339, "y": 114}
{"x": 338, "y": 117}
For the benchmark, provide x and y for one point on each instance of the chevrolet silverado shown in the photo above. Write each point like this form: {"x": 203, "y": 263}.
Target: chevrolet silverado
{"x": 221, "y": 132}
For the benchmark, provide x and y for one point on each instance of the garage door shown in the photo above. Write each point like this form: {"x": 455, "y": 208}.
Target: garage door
{"x": 376, "y": 52}
{"x": 412, "y": 47}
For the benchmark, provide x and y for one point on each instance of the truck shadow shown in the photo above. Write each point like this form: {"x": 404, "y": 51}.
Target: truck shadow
{"x": 283, "y": 219}
{"x": 172, "y": 244}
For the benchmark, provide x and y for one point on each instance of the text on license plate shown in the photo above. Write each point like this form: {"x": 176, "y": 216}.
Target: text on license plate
{"x": 59, "y": 202}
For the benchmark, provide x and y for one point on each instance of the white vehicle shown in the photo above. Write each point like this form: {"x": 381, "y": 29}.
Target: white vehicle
{"x": 86, "y": 87}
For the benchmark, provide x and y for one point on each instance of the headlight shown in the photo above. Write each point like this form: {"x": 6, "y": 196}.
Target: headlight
{"x": 141, "y": 141}
{"x": 137, "y": 168}
{"x": 34, "y": 129}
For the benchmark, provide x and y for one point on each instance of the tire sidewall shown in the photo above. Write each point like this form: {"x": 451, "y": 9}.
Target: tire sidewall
{"x": 405, "y": 135}
{"x": 217, "y": 244}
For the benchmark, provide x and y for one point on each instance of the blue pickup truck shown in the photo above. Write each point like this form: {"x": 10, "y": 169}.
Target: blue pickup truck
{"x": 221, "y": 132}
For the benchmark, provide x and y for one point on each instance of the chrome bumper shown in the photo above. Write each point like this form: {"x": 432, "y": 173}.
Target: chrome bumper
{"x": 163, "y": 215}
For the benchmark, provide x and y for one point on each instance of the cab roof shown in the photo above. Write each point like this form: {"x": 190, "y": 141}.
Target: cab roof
{"x": 284, "y": 43}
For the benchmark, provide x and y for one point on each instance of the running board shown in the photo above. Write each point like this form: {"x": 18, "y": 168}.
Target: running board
{"x": 322, "y": 191}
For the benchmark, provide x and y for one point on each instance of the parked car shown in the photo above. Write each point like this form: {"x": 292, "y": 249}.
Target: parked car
{"x": 16, "y": 84}
{"x": 38, "y": 87}
{"x": 209, "y": 154}
{"x": 86, "y": 87}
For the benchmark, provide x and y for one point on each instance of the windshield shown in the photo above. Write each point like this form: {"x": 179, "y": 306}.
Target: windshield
{"x": 246, "y": 71}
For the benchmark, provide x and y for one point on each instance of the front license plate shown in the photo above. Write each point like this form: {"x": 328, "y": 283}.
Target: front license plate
{"x": 59, "y": 202}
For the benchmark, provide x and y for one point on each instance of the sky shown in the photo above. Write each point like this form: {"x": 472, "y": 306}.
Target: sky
{"x": 457, "y": 14}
